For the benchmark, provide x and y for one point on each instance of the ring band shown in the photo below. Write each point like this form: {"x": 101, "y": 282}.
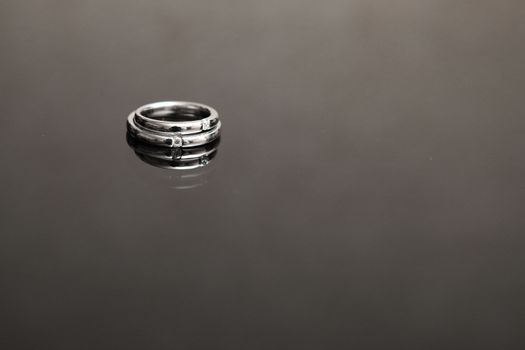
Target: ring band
{"x": 155, "y": 117}
{"x": 174, "y": 158}
{"x": 172, "y": 139}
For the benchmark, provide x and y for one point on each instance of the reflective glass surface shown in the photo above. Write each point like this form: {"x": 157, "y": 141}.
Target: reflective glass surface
{"x": 367, "y": 192}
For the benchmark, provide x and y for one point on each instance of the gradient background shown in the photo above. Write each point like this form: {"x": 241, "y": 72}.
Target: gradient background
{"x": 368, "y": 193}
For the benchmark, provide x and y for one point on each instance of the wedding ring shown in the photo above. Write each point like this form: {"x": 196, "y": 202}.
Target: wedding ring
{"x": 174, "y": 158}
{"x": 174, "y": 124}
{"x": 177, "y": 116}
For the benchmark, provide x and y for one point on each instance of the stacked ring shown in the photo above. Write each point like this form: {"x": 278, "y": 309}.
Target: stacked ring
{"x": 174, "y": 158}
{"x": 175, "y": 124}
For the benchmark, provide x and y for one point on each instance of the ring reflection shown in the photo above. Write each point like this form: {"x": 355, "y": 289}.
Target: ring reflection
{"x": 189, "y": 164}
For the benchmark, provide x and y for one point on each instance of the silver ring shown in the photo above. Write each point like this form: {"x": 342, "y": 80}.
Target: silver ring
{"x": 193, "y": 117}
{"x": 174, "y": 158}
{"x": 170, "y": 139}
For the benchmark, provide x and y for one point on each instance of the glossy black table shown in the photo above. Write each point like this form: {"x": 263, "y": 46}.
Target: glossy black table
{"x": 368, "y": 191}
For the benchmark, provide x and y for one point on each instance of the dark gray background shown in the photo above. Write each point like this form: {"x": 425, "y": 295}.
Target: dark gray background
{"x": 368, "y": 192}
